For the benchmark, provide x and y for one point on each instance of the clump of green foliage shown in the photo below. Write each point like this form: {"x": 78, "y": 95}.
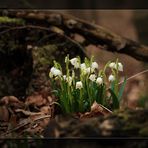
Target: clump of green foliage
{"x": 84, "y": 83}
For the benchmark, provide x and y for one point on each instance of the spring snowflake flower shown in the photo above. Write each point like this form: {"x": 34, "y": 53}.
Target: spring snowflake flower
{"x": 94, "y": 65}
{"x": 52, "y": 69}
{"x": 75, "y": 62}
{"x": 79, "y": 85}
{"x": 99, "y": 80}
{"x": 112, "y": 65}
{"x": 69, "y": 80}
{"x": 92, "y": 77}
{"x": 64, "y": 77}
{"x": 83, "y": 66}
{"x": 55, "y": 72}
{"x": 88, "y": 70}
{"x": 115, "y": 66}
{"x": 120, "y": 67}
{"x": 111, "y": 78}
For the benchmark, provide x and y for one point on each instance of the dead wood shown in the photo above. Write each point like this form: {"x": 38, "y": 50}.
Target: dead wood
{"x": 93, "y": 34}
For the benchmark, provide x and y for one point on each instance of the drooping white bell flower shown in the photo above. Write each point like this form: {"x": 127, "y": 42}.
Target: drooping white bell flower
{"x": 79, "y": 85}
{"x": 88, "y": 70}
{"x": 83, "y": 66}
{"x": 52, "y": 69}
{"x": 112, "y": 65}
{"x": 92, "y": 77}
{"x": 115, "y": 66}
{"x": 94, "y": 65}
{"x": 57, "y": 72}
{"x": 64, "y": 77}
{"x": 111, "y": 78}
{"x": 75, "y": 62}
{"x": 120, "y": 67}
{"x": 99, "y": 80}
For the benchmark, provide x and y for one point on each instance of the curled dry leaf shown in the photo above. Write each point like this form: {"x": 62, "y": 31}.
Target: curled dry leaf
{"x": 36, "y": 100}
{"x": 4, "y": 113}
{"x": 100, "y": 108}
{"x": 96, "y": 110}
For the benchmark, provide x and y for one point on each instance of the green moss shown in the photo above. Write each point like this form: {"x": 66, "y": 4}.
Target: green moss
{"x": 4, "y": 19}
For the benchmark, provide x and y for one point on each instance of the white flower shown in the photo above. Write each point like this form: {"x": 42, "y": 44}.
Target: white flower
{"x": 88, "y": 70}
{"x": 83, "y": 66}
{"x": 92, "y": 77}
{"x": 55, "y": 72}
{"x": 52, "y": 69}
{"x": 111, "y": 78}
{"x": 79, "y": 85}
{"x": 99, "y": 80}
{"x": 115, "y": 66}
{"x": 94, "y": 65}
{"x": 64, "y": 77}
{"x": 75, "y": 62}
{"x": 120, "y": 67}
{"x": 69, "y": 80}
{"x": 112, "y": 65}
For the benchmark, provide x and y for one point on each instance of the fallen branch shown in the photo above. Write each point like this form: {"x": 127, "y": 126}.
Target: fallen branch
{"x": 92, "y": 33}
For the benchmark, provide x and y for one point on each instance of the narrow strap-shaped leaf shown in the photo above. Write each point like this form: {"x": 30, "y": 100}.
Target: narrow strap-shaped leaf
{"x": 115, "y": 99}
{"x": 121, "y": 90}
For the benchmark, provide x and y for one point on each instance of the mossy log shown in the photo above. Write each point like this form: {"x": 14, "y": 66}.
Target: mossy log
{"x": 92, "y": 34}
{"x": 129, "y": 123}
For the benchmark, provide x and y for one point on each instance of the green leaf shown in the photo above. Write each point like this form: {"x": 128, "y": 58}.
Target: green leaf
{"x": 121, "y": 90}
{"x": 113, "y": 85}
{"x": 114, "y": 99}
{"x": 56, "y": 92}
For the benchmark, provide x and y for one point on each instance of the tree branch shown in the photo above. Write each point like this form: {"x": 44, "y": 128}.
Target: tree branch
{"x": 94, "y": 34}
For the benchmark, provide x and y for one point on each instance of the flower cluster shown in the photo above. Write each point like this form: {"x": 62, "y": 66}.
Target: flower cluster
{"x": 84, "y": 83}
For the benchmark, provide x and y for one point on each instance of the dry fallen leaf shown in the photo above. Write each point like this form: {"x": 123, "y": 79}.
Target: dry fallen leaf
{"x": 36, "y": 100}
{"x": 96, "y": 110}
{"x": 100, "y": 108}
